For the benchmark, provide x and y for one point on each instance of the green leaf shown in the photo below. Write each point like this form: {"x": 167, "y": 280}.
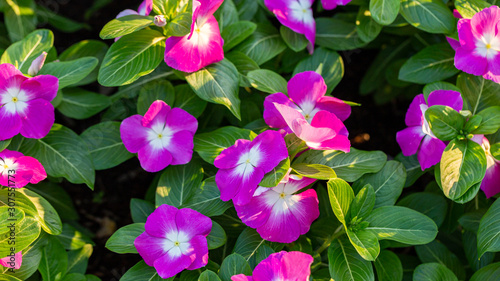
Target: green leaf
{"x": 131, "y": 57}
{"x": 440, "y": 85}
{"x": 58, "y": 198}
{"x": 210, "y": 145}
{"x": 186, "y": 99}
{"x": 295, "y": 41}
{"x": 428, "y": 15}
{"x": 156, "y": 90}
{"x": 267, "y": 81}
{"x": 21, "y": 54}
{"x": 49, "y": 268}
{"x": 337, "y": 34}
{"x": 384, "y": 11}
{"x": 348, "y": 166}
{"x": 242, "y": 62}
{"x": 412, "y": 167}
{"x": 368, "y": 29}
{"x": 234, "y": 264}
{"x": 387, "y": 183}
{"x": 445, "y": 122}
{"x": 315, "y": 171}
{"x": 122, "y": 241}
{"x": 488, "y": 235}
{"x": 4, "y": 144}
{"x": 388, "y": 266}
{"x": 463, "y": 165}
{"x": 20, "y": 18}
{"x": 140, "y": 210}
{"x": 31, "y": 259}
{"x": 365, "y": 242}
{"x": 434, "y": 63}
{"x": 402, "y": 225}
{"x": 70, "y": 72}
{"x": 206, "y": 199}
{"x": 79, "y": 259}
{"x": 363, "y": 203}
{"x": 208, "y": 275}
{"x": 178, "y": 183}
{"x": 473, "y": 123}
{"x": 217, "y": 237}
{"x": 341, "y": 196}
{"x": 438, "y": 253}
{"x": 226, "y": 14}
{"x": 217, "y": 83}
{"x": 72, "y": 239}
{"x": 86, "y": 48}
{"x": 468, "y": 8}
{"x": 74, "y": 277}
{"x": 264, "y": 44}
{"x": 434, "y": 272}
{"x": 274, "y": 177}
{"x": 180, "y": 25}
{"x": 432, "y": 205}
{"x": 142, "y": 272}
{"x": 63, "y": 154}
{"x": 26, "y": 232}
{"x": 81, "y": 104}
{"x": 487, "y": 273}
{"x": 345, "y": 263}
{"x": 490, "y": 122}
{"x": 105, "y": 145}
{"x": 236, "y": 33}
{"x": 58, "y": 21}
{"x": 45, "y": 214}
{"x": 325, "y": 62}
{"x": 248, "y": 244}
{"x": 479, "y": 93}
{"x": 124, "y": 25}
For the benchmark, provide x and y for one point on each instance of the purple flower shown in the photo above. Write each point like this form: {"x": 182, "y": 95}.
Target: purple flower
{"x": 25, "y": 103}
{"x": 174, "y": 240}
{"x": 332, "y": 4}
{"x": 243, "y": 165}
{"x": 280, "y": 215}
{"x": 20, "y": 169}
{"x": 418, "y": 137}
{"x": 202, "y": 46}
{"x": 478, "y": 53}
{"x": 14, "y": 262}
{"x": 296, "y": 15}
{"x": 289, "y": 266}
{"x": 489, "y": 185}
{"x": 312, "y": 116}
{"x": 163, "y": 137}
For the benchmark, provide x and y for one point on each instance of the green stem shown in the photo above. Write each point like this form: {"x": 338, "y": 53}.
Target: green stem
{"x": 338, "y": 232}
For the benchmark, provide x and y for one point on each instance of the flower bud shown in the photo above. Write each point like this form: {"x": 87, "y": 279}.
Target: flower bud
{"x": 37, "y": 64}
{"x": 160, "y": 20}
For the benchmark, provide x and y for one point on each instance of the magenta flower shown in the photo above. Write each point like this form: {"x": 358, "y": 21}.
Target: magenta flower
{"x": 25, "y": 103}
{"x": 13, "y": 262}
{"x": 296, "y": 15}
{"x": 280, "y": 215}
{"x": 17, "y": 170}
{"x": 332, "y": 4}
{"x": 489, "y": 185}
{"x": 312, "y": 116}
{"x": 143, "y": 10}
{"x": 478, "y": 53}
{"x": 174, "y": 240}
{"x": 418, "y": 137}
{"x": 289, "y": 266}
{"x": 243, "y": 165}
{"x": 163, "y": 137}
{"x": 202, "y": 46}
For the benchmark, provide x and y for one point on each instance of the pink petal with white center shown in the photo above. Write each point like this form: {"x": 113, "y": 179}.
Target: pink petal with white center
{"x": 204, "y": 9}
{"x": 38, "y": 119}
{"x": 485, "y": 21}
{"x": 133, "y": 134}
{"x": 198, "y": 252}
{"x": 168, "y": 266}
{"x": 305, "y": 89}
{"x": 149, "y": 247}
{"x": 306, "y": 209}
{"x": 181, "y": 148}
{"x": 337, "y": 140}
{"x": 491, "y": 181}
{"x": 449, "y": 98}
{"x": 10, "y": 154}
{"x": 229, "y": 157}
{"x": 241, "y": 277}
{"x": 14, "y": 262}
{"x": 470, "y": 62}
{"x": 154, "y": 159}
{"x": 270, "y": 148}
{"x": 161, "y": 221}
{"x": 270, "y": 268}
{"x": 294, "y": 185}
{"x": 430, "y": 152}
{"x": 256, "y": 213}
{"x": 145, "y": 8}
{"x": 11, "y": 124}
{"x": 271, "y": 115}
{"x": 414, "y": 115}
{"x": 30, "y": 169}
{"x": 296, "y": 266}
{"x": 41, "y": 86}
{"x": 193, "y": 223}
{"x": 238, "y": 184}
{"x": 334, "y": 105}
{"x": 203, "y": 48}
{"x": 282, "y": 226}
{"x": 180, "y": 120}
{"x": 409, "y": 139}
{"x": 493, "y": 69}
{"x": 156, "y": 114}
{"x": 7, "y": 70}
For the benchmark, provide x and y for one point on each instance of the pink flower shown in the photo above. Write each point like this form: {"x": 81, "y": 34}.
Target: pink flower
{"x": 489, "y": 185}
{"x": 280, "y": 215}
{"x": 174, "y": 240}
{"x": 478, "y": 53}
{"x": 202, "y": 46}
{"x": 163, "y": 137}
{"x": 25, "y": 103}
{"x": 289, "y": 266}
{"x": 312, "y": 116}
{"x": 296, "y": 15}
{"x": 14, "y": 261}
{"x": 418, "y": 137}
{"x": 243, "y": 165}
{"x": 17, "y": 170}
{"x": 332, "y": 4}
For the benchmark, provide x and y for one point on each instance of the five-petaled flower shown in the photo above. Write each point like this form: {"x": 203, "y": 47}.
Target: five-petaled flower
{"x": 17, "y": 170}
{"x": 478, "y": 53}
{"x": 174, "y": 240}
{"x": 243, "y": 165}
{"x": 312, "y": 116}
{"x": 163, "y": 137}
{"x": 202, "y": 46}
{"x": 289, "y": 266}
{"x": 418, "y": 137}
{"x": 25, "y": 103}
{"x": 278, "y": 213}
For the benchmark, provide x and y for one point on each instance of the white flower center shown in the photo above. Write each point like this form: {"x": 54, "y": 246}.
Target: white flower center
{"x": 159, "y": 136}
{"x": 176, "y": 243}
{"x": 425, "y": 124}
{"x": 7, "y": 165}
{"x": 281, "y": 198}
{"x": 308, "y": 110}
{"x": 248, "y": 161}
{"x": 488, "y": 46}
{"x": 14, "y": 100}
{"x": 301, "y": 11}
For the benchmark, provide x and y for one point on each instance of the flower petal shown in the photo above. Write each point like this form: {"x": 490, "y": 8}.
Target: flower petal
{"x": 42, "y": 87}
{"x": 490, "y": 184}
{"x": 193, "y": 223}
{"x": 156, "y": 114}
{"x": 305, "y": 89}
{"x": 296, "y": 265}
{"x": 485, "y": 21}
{"x": 272, "y": 116}
{"x": 181, "y": 148}
{"x": 468, "y": 61}
{"x": 241, "y": 277}
{"x": 282, "y": 226}
{"x": 256, "y": 213}
{"x": 334, "y": 105}
{"x": 229, "y": 157}
{"x": 198, "y": 252}
{"x": 449, "y": 98}
{"x": 162, "y": 221}
{"x": 237, "y": 186}
{"x": 271, "y": 148}
{"x": 168, "y": 266}
{"x": 12, "y": 262}
{"x": 133, "y": 134}
{"x": 414, "y": 115}
{"x": 7, "y": 70}
{"x": 11, "y": 124}
{"x": 206, "y": 9}
{"x": 409, "y": 139}
{"x": 269, "y": 268}
{"x": 466, "y": 39}
{"x": 180, "y": 120}
{"x": 36, "y": 171}
{"x": 145, "y": 7}
{"x": 306, "y": 209}
{"x": 39, "y": 118}
{"x": 153, "y": 159}
{"x": 149, "y": 247}
{"x": 430, "y": 152}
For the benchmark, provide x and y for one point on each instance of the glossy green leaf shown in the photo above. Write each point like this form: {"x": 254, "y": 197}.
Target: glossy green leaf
{"x": 440, "y": 85}
{"x": 469, "y": 240}
{"x": 315, "y": 171}
{"x": 206, "y": 199}
{"x": 368, "y": 29}
{"x": 479, "y": 93}
{"x": 363, "y": 203}
{"x": 488, "y": 235}
{"x": 49, "y": 269}
{"x": 186, "y": 99}
{"x": 412, "y": 167}
{"x": 45, "y": 214}
{"x": 384, "y": 11}
{"x": 428, "y": 15}
{"x": 234, "y": 264}
{"x": 70, "y": 72}
{"x": 156, "y": 90}
{"x": 20, "y": 18}
{"x": 142, "y": 272}
{"x": 346, "y": 264}
{"x": 365, "y": 242}
{"x": 208, "y": 275}
{"x": 86, "y": 48}
{"x": 432, "y": 205}
{"x": 341, "y": 196}
{"x": 468, "y": 8}
{"x": 438, "y": 253}
{"x": 226, "y": 14}
{"x": 180, "y": 25}
{"x": 274, "y": 177}
{"x": 72, "y": 239}
{"x": 337, "y": 34}
{"x": 236, "y": 33}
{"x": 78, "y": 259}
{"x": 21, "y": 54}
{"x": 81, "y": 104}
{"x": 140, "y": 210}
{"x": 217, "y": 236}
{"x": 445, "y": 122}
{"x": 388, "y": 266}
{"x": 295, "y": 41}
{"x": 267, "y": 81}
{"x": 490, "y": 122}
{"x": 124, "y": 25}
{"x": 487, "y": 273}
{"x": 264, "y": 44}
{"x": 122, "y": 241}
{"x": 58, "y": 198}
{"x": 434, "y": 272}
{"x": 32, "y": 256}
{"x": 26, "y": 232}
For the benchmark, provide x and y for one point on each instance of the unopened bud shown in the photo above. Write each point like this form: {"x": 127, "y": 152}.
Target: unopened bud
{"x": 37, "y": 64}
{"x": 160, "y": 20}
